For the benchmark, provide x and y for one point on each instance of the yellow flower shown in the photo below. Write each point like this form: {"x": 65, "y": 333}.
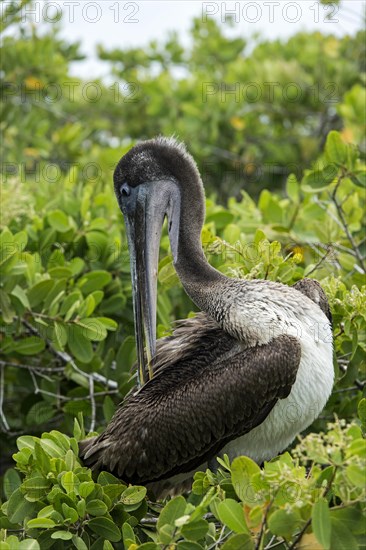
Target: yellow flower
{"x": 32, "y": 83}
{"x": 237, "y": 123}
{"x": 298, "y": 254}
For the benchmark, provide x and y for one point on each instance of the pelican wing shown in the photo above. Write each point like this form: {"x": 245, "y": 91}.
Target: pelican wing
{"x": 313, "y": 290}
{"x": 207, "y": 390}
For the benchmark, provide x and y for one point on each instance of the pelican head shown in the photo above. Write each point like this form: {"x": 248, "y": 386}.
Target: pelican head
{"x": 154, "y": 180}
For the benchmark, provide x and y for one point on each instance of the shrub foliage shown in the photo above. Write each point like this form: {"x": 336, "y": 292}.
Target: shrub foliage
{"x": 66, "y": 306}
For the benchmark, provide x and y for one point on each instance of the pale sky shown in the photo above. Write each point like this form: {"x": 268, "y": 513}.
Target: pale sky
{"x": 122, "y": 24}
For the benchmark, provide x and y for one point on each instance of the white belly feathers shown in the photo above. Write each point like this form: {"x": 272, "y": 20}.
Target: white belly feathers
{"x": 311, "y": 390}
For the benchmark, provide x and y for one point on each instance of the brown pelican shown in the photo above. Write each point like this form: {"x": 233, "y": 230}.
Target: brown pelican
{"x": 243, "y": 377}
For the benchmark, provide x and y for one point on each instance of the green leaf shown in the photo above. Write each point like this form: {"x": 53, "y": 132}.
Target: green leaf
{"x": 26, "y": 441}
{"x": 341, "y": 537}
{"x": 92, "y": 329}
{"x": 50, "y": 447}
{"x": 293, "y": 188}
{"x": 108, "y": 408}
{"x": 70, "y": 460}
{"x": 40, "y": 523}
{"x": 62, "y": 535}
{"x": 96, "y": 507}
{"x": 105, "y": 478}
{"x": 39, "y": 413}
{"x": 172, "y": 511}
{"x": 357, "y": 448}
{"x": 356, "y": 474}
{"x": 87, "y": 307}
{"x": 259, "y": 236}
{"x": 321, "y": 524}
{"x": 79, "y": 432}
{"x": 98, "y": 296}
{"x": 318, "y": 180}
{"x": 195, "y": 530}
{"x": 18, "y": 507}
{"x": 79, "y": 543}
{"x": 109, "y": 324}
{"x": 128, "y": 535}
{"x": 221, "y": 218}
{"x": 239, "y": 542}
{"x": 59, "y": 438}
{"x": 69, "y": 513}
{"x": 98, "y": 243}
{"x": 70, "y": 303}
{"x": 231, "y": 513}
{"x": 76, "y": 265}
{"x": 242, "y": 469}
{"x": 42, "y": 459}
{"x": 21, "y": 295}
{"x": 188, "y": 545}
{"x": 80, "y": 347}
{"x": 95, "y": 280}
{"x": 86, "y": 488}
{"x": 361, "y": 410}
{"x": 35, "y": 487}
{"x": 359, "y": 178}
{"x": 46, "y": 511}
{"x": 30, "y": 346}
{"x": 81, "y": 508}
{"x": 39, "y": 291}
{"x": 60, "y": 272}
{"x": 352, "y": 517}
{"x": 105, "y": 528}
{"x": 11, "y": 482}
{"x": 59, "y": 221}
{"x": 133, "y": 495}
{"x": 284, "y": 523}
{"x": 60, "y": 335}
{"x": 28, "y": 544}
{"x": 335, "y": 148}
{"x": 232, "y": 233}
{"x": 70, "y": 482}
{"x": 6, "y": 310}
{"x": 167, "y": 275}
{"x": 113, "y": 305}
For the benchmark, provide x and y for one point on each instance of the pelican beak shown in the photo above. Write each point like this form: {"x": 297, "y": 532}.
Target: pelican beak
{"x": 144, "y": 208}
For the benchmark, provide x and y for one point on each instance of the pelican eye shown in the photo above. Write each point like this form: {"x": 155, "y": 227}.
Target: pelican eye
{"x": 125, "y": 190}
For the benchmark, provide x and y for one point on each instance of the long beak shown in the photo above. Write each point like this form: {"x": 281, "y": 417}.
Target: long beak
{"x": 144, "y": 216}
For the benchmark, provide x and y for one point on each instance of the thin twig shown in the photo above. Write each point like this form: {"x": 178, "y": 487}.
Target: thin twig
{"x": 322, "y": 259}
{"x": 302, "y": 532}
{"x": 60, "y": 397}
{"x": 352, "y": 388}
{"x": 345, "y": 226}
{"x": 293, "y": 218}
{"x": 2, "y": 414}
{"x": 93, "y": 405}
{"x": 263, "y": 524}
{"x": 149, "y": 521}
{"x": 221, "y": 538}
{"x": 300, "y": 535}
{"x": 278, "y": 543}
{"x": 39, "y": 369}
{"x": 338, "y": 246}
{"x": 66, "y": 358}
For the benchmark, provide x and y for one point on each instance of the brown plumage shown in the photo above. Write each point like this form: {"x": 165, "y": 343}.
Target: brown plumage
{"x": 157, "y": 433}
{"x": 220, "y": 378}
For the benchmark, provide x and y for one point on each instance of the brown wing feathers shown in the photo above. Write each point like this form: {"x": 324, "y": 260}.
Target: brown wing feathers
{"x": 206, "y": 391}
{"x": 194, "y": 404}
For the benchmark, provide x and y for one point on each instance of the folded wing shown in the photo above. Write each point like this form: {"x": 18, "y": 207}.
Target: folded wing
{"x": 207, "y": 390}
